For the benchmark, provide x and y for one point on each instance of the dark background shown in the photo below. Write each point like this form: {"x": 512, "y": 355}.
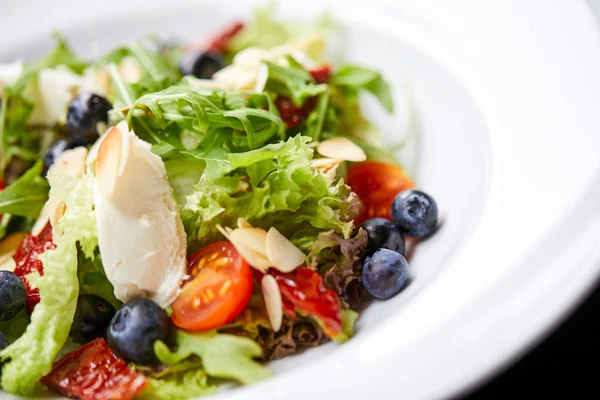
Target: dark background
{"x": 565, "y": 365}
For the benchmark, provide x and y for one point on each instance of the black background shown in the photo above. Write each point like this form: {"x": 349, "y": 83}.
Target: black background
{"x": 566, "y": 364}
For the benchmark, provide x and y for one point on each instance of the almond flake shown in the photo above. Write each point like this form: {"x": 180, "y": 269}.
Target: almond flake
{"x": 340, "y": 148}
{"x": 282, "y": 253}
{"x": 9, "y": 246}
{"x": 242, "y": 223}
{"x": 253, "y": 238}
{"x": 273, "y": 301}
{"x": 256, "y": 260}
{"x": 108, "y": 160}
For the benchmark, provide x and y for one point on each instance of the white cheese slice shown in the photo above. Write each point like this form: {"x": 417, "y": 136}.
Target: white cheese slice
{"x": 9, "y": 73}
{"x": 141, "y": 237}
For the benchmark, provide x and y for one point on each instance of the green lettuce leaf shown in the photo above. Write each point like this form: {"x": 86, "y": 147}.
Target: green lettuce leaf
{"x": 26, "y": 196}
{"x": 223, "y": 356}
{"x": 273, "y": 186}
{"x": 31, "y": 356}
{"x": 356, "y": 78}
{"x": 179, "y": 386}
{"x": 93, "y": 280}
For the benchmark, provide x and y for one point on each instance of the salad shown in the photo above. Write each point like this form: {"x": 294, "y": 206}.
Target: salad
{"x": 173, "y": 216}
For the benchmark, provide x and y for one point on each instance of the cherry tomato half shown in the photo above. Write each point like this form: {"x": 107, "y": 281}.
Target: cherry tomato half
{"x": 218, "y": 291}
{"x": 376, "y": 184}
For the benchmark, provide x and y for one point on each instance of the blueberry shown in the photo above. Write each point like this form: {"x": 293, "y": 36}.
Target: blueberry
{"x": 382, "y": 234}
{"x": 54, "y": 150}
{"x": 415, "y": 213}
{"x": 134, "y": 329}
{"x": 92, "y": 316}
{"x": 3, "y": 342}
{"x": 201, "y": 65}
{"x": 385, "y": 273}
{"x": 83, "y": 116}
{"x": 13, "y": 295}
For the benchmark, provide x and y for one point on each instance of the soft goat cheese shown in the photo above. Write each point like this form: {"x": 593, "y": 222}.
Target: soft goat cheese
{"x": 141, "y": 237}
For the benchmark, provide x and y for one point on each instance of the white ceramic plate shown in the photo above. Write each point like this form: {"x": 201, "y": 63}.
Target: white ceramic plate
{"x": 507, "y": 95}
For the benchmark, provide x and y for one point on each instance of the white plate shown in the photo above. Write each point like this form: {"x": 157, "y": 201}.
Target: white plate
{"x": 507, "y": 95}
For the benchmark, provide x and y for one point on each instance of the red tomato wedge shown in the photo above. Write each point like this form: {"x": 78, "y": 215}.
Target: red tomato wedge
{"x": 218, "y": 290}
{"x": 27, "y": 261}
{"x": 303, "y": 290}
{"x": 376, "y": 184}
{"x": 93, "y": 372}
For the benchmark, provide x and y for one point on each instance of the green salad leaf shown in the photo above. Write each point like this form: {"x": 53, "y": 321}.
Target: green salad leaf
{"x": 272, "y": 186}
{"x": 293, "y": 81}
{"x": 26, "y": 196}
{"x": 222, "y": 121}
{"x": 354, "y": 78}
{"x": 158, "y": 71}
{"x": 223, "y": 356}
{"x": 31, "y": 356}
{"x": 179, "y": 386}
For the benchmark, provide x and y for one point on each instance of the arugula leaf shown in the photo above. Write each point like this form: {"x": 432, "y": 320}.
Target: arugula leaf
{"x": 93, "y": 280}
{"x": 223, "y": 121}
{"x": 159, "y": 71}
{"x": 355, "y": 78}
{"x": 26, "y": 196}
{"x": 222, "y": 355}
{"x": 294, "y": 82}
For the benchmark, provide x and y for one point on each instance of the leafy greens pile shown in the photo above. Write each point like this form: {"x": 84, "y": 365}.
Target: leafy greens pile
{"x": 228, "y": 155}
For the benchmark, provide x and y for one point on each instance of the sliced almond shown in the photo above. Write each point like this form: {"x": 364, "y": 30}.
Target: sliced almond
{"x": 253, "y": 238}
{"x": 224, "y": 231}
{"x": 282, "y": 253}
{"x": 70, "y": 162}
{"x": 257, "y": 260}
{"x": 340, "y": 148}
{"x": 8, "y": 265}
{"x": 9, "y": 246}
{"x": 242, "y": 223}
{"x": 262, "y": 76}
{"x": 108, "y": 160}
{"x": 251, "y": 244}
{"x": 273, "y": 301}
{"x": 52, "y": 212}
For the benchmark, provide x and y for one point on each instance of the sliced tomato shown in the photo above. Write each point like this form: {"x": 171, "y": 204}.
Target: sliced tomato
{"x": 218, "y": 291}
{"x": 303, "y": 290}
{"x": 27, "y": 261}
{"x": 93, "y": 372}
{"x": 376, "y": 184}
{"x": 322, "y": 73}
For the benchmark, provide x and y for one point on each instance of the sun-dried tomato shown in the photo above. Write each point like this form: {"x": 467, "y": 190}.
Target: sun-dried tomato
{"x": 93, "y": 372}
{"x": 27, "y": 261}
{"x": 291, "y": 114}
{"x": 322, "y": 73}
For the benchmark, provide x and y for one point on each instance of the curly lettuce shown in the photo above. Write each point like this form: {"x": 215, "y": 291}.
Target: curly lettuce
{"x": 273, "y": 186}
{"x": 31, "y": 356}
{"x": 222, "y": 355}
